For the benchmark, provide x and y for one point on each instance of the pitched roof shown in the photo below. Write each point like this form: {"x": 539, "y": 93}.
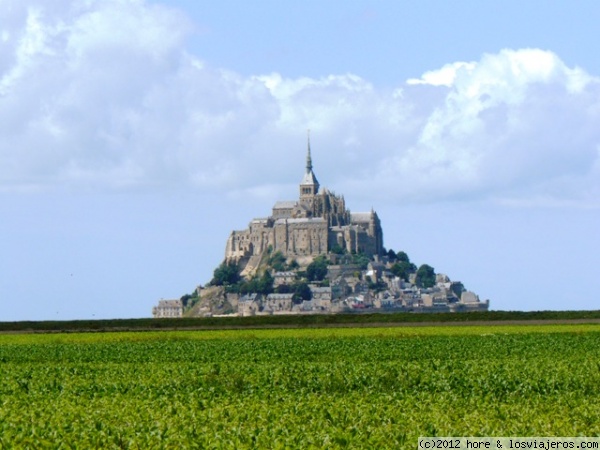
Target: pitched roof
{"x": 360, "y": 217}
{"x": 301, "y": 220}
{"x": 309, "y": 178}
{"x": 285, "y": 204}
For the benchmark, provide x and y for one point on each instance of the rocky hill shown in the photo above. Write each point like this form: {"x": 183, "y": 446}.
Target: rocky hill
{"x": 336, "y": 282}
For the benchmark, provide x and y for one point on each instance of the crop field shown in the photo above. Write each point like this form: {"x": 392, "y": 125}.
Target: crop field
{"x": 297, "y": 388}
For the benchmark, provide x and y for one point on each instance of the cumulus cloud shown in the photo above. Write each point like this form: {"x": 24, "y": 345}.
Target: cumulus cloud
{"x": 444, "y": 76}
{"x": 77, "y": 79}
{"x": 105, "y": 95}
{"x": 517, "y": 123}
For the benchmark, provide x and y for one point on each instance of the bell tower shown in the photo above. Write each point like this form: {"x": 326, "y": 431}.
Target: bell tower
{"x": 309, "y": 186}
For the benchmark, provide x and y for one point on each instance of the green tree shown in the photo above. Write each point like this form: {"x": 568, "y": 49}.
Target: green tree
{"x": 458, "y": 288}
{"x": 403, "y": 269}
{"x": 301, "y": 292}
{"x": 391, "y": 254}
{"x": 361, "y": 260}
{"x": 277, "y": 261}
{"x": 337, "y": 249}
{"x": 284, "y": 289}
{"x": 261, "y": 285}
{"x": 189, "y": 300}
{"x": 425, "y": 276}
{"x": 248, "y": 287}
{"x": 402, "y": 257}
{"x": 265, "y": 283}
{"x": 226, "y": 274}
{"x": 317, "y": 270}
{"x": 185, "y": 299}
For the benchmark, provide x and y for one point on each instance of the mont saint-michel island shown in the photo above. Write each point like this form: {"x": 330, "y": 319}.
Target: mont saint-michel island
{"x": 314, "y": 256}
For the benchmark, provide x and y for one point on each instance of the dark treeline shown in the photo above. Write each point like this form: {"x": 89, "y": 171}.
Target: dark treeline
{"x": 357, "y": 319}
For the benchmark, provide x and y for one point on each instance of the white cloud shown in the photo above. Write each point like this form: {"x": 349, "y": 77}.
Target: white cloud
{"x": 444, "y": 76}
{"x": 511, "y": 125}
{"x": 104, "y": 94}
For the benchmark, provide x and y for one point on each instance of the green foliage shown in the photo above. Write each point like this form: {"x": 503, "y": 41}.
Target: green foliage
{"x": 277, "y": 261}
{"x": 402, "y": 257}
{"x": 391, "y": 255}
{"x": 425, "y": 276}
{"x": 301, "y": 292}
{"x": 189, "y": 303}
{"x": 146, "y": 324}
{"x": 337, "y": 249}
{"x": 458, "y": 288}
{"x": 403, "y": 269}
{"x": 284, "y": 289}
{"x": 261, "y": 285}
{"x": 300, "y": 289}
{"x": 226, "y": 274}
{"x": 317, "y": 270}
{"x": 361, "y": 260}
{"x": 265, "y": 283}
{"x": 189, "y": 300}
{"x": 302, "y": 388}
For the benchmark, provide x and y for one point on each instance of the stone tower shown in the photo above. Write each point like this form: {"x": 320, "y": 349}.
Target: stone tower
{"x": 309, "y": 186}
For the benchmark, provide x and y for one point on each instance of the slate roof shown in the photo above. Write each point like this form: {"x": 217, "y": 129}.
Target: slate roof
{"x": 301, "y": 220}
{"x": 309, "y": 178}
{"x": 285, "y": 204}
{"x": 360, "y": 217}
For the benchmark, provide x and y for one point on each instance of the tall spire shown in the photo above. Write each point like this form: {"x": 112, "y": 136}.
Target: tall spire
{"x": 309, "y": 186}
{"x": 308, "y": 158}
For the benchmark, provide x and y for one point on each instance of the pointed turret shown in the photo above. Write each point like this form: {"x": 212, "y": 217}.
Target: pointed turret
{"x": 308, "y": 157}
{"x": 309, "y": 186}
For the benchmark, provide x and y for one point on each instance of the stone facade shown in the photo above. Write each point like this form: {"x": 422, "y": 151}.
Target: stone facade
{"x": 248, "y": 305}
{"x": 308, "y": 227}
{"x": 168, "y": 308}
{"x": 278, "y": 303}
{"x": 280, "y": 278}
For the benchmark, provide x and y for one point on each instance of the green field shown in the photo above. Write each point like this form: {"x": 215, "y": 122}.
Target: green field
{"x": 297, "y": 388}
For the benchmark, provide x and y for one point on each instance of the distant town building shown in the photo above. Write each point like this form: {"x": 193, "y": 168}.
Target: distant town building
{"x": 280, "y": 278}
{"x": 277, "y": 303}
{"x": 248, "y": 305}
{"x": 168, "y": 308}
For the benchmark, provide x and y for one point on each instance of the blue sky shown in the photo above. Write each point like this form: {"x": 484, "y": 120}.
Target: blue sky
{"x": 134, "y": 135}
{"x": 384, "y": 42}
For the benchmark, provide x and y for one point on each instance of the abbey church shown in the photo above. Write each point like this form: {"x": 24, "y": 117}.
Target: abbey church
{"x": 313, "y": 225}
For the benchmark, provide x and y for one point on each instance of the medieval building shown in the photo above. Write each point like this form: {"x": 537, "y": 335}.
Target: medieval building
{"x": 313, "y": 225}
{"x": 318, "y": 223}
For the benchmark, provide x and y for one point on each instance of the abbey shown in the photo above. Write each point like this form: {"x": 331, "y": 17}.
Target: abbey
{"x": 356, "y": 275}
{"x": 313, "y": 225}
